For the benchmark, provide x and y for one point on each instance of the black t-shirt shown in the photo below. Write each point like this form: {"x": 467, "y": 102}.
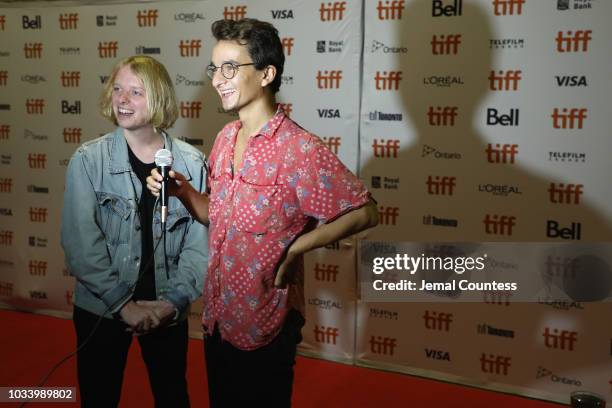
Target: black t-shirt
{"x": 145, "y": 288}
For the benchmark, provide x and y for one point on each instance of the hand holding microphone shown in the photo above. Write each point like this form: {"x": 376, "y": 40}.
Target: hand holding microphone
{"x": 172, "y": 183}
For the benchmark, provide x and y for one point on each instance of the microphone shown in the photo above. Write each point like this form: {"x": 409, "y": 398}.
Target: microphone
{"x": 163, "y": 161}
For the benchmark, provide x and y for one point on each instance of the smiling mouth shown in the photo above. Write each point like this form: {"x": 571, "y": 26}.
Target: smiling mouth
{"x": 124, "y": 112}
{"x": 227, "y": 92}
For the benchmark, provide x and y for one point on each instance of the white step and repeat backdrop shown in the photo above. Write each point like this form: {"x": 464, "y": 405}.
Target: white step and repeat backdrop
{"x": 470, "y": 121}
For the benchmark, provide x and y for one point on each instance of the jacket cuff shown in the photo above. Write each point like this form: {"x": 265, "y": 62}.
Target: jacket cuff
{"x": 116, "y": 297}
{"x": 179, "y": 300}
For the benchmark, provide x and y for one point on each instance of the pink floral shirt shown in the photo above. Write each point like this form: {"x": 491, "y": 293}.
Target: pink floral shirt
{"x": 288, "y": 178}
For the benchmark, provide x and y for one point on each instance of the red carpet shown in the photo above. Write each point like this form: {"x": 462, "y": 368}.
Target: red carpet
{"x": 31, "y": 344}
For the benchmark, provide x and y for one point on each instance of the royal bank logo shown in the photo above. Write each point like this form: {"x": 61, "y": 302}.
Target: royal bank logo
{"x": 287, "y": 79}
{"x": 106, "y": 21}
{"x": 567, "y": 157}
{"x": 38, "y": 242}
{"x": 386, "y": 49}
{"x": 6, "y": 159}
{"x": 506, "y": 43}
{"x": 435, "y": 153}
{"x": 5, "y": 54}
{"x": 329, "y": 46}
{"x": 387, "y": 183}
{"x": 564, "y": 5}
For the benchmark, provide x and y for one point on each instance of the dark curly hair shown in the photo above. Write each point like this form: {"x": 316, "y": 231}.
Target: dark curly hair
{"x": 261, "y": 39}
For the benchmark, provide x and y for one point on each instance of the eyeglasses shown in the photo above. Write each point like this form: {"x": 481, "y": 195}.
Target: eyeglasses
{"x": 228, "y": 69}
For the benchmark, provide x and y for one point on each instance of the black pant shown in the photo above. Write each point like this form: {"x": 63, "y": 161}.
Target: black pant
{"x": 258, "y": 378}
{"x": 100, "y": 364}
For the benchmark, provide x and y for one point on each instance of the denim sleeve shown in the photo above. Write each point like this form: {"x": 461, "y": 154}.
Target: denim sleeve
{"x": 186, "y": 286}
{"x": 83, "y": 241}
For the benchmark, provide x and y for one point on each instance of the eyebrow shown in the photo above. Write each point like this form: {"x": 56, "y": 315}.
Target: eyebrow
{"x": 225, "y": 62}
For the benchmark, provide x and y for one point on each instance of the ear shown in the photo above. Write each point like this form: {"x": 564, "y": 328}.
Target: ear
{"x": 269, "y": 73}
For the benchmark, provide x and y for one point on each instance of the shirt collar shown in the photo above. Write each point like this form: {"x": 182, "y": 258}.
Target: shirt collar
{"x": 268, "y": 130}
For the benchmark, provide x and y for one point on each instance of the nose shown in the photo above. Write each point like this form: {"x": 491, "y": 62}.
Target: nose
{"x": 218, "y": 78}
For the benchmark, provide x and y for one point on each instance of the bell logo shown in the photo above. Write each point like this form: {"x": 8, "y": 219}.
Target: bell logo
{"x": 574, "y": 41}
{"x": 2, "y": 21}
{"x": 147, "y": 18}
{"x": 5, "y": 132}
{"x": 445, "y": 44}
{"x": 504, "y": 81}
{"x": 573, "y": 232}
{"x": 37, "y": 160}
{"x": 37, "y": 268}
{"x": 382, "y": 345}
{"x": 442, "y": 116}
{"x": 508, "y": 7}
{"x": 38, "y": 214}
{"x": 390, "y": 10}
{"x": 190, "y": 48}
{"x": 440, "y": 185}
{"x": 32, "y": 50}
{"x": 496, "y": 298}
{"x": 287, "y": 43}
{"x": 35, "y": 23}
{"x": 329, "y": 79}
{"x": 510, "y": 119}
{"x": 6, "y": 185}
{"x": 3, "y": 78}
{"x": 234, "y": 12}
{"x": 437, "y": 320}
{"x": 35, "y": 106}
{"x": 564, "y": 340}
{"x": 6, "y": 238}
{"x": 326, "y": 273}
{"x": 503, "y": 154}
{"x": 74, "y": 109}
{"x": 499, "y": 224}
{"x": 388, "y": 215}
{"x": 287, "y": 108}
{"x": 333, "y": 11}
{"x": 386, "y": 148}
{"x": 190, "y": 110}
{"x": 493, "y": 364}
{"x": 388, "y": 81}
{"x": 562, "y": 194}
{"x": 108, "y": 49}
{"x": 572, "y": 120}
{"x": 72, "y": 135}
{"x": 333, "y": 143}
{"x": 68, "y": 21}
{"x": 70, "y": 79}
{"x": 439, "y": 9}
{"x": 327, "y": 335}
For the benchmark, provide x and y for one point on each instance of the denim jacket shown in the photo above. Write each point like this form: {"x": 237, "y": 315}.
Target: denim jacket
{"x": 101, "y": 235}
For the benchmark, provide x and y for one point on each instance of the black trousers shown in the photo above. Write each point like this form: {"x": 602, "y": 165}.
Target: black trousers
{"x": 257, "y": 378}
{"x": 100, "y": 364}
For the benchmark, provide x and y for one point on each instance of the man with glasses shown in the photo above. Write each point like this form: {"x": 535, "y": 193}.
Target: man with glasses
{"x": 275, "y": 193}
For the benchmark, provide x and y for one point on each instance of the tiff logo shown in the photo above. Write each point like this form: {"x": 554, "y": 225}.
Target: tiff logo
{"x": 37, "y": 268}
{"x": 5, "y": 132}
{"x": 326, "y": 273}
{"x": 35, "y": 106}
{"x": 68, "y": 21}
{"x": 572, "y": 120}
{"x": 562, "y": 194}
{"x": 333, "y": 143}
{"x": 32, "y": 50}
{"x": 437, "y": 320}
{"x": 493, "y": 364}
{"x": 327, "y": 335}
{"x": 6, "y": 238}
{"x": 70, "y": 79}
{"x": 72, "y": 135}
{"x": 147, "y": 18}
{"x": 574, "y": 41}
{"x": 388, "y": 81}
{"x": 2, "y": 21}
{"x": 445, "y": 44}
{"x": 37, "y": 160}
{"x": 3, "y": 78}
{"x": 504, "y": 154}
{"x": 496, "y": 298}
{"x": 391, "y": 10}
{"x": 386, "y": 148}
{"x": 234, "y": 12}
{"x": 333, "y": 11}
{"x": 499, "y": 224}
{"x": 562, "y": 267}
{"x": 6, "y": 289}
{"x": 507, "y": 81}
{"x": 440, "y": 186}
{"x": 508, "y": 7}
{"x": 439, "y": 9}
{"x": 388, "y": 215}
{"x": 287, "y": 44}
{"x": 382, "y": 345}
{"x": 564, "y": 340}
{"x": 287, "y": 107}
{"x": 6, "y": 185}
{"x": 442, "y": 116}
{"x": 190, "y": 48}
{"x": 190, "y": 110}
{"x": 38, "y": 214}
{"x": 329, "y": 79}
{"x": 108, "y": 49}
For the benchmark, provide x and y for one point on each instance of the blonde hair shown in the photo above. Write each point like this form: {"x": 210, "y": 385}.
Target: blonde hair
{"x": 159, "y": 91}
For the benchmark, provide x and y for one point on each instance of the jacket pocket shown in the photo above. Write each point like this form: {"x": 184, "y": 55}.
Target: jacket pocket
{"x": 114, "y": 212}
{"x": 176, "y": 230}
